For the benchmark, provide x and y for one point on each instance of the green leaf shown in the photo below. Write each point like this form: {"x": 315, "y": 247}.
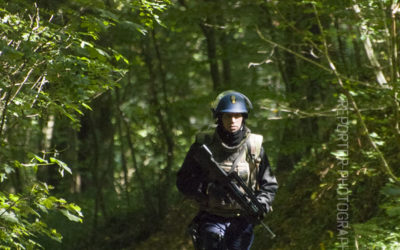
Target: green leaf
{"x": 42, "y": 208}
{"x": 84, "y": 44}
{"x": 3, "y": 177}
{"x": 39, "y": 159}
{"x": 8, "y": 169}
{"x": 47, "y": 203}
{"x": 393, "y": 211}
{"x": 63, "y": 166}
{"x": 8, "y": 216}
{"x": 340, "y": 154}
{"x": 391, "y": 190}
{"x": 70, "y": 216}
{"x": 13, "y": 197}
{"x": 86, "y": 106}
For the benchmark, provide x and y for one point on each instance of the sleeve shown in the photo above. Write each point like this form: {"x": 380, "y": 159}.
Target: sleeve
{"x": 267, "y": 182}
{"x": 191, "y": 180}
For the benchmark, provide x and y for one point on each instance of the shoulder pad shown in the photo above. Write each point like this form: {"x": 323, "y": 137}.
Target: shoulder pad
{"x": 254, "y": 144}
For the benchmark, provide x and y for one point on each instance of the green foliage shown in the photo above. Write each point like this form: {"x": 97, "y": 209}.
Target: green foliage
{"x": 21, "y": 213}
{"x": 51, "y": 68}
{"x": 381, "y": 231}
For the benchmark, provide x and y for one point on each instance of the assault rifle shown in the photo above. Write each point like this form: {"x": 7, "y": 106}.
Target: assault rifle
{"x": 233, "y": 184}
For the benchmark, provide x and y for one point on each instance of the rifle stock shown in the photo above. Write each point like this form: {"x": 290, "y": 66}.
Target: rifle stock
{"x": 234, "y": 185}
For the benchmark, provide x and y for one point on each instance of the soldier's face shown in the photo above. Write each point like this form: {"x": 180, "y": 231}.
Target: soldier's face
{"x": 232, "y": 122}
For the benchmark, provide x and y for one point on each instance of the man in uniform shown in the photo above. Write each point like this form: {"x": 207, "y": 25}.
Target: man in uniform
{"x": 221, "y": 223}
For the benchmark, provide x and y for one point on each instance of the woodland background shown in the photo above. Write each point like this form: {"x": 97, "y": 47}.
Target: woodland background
{"x": 101, "y": 99}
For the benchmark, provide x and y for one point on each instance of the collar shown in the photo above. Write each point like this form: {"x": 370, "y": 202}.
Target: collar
{"x": 232, "y": 141}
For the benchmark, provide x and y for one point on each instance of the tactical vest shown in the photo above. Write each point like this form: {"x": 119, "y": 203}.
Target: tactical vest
{"x": 248, "y": 154}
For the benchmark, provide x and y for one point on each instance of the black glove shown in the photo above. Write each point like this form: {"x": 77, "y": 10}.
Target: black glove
{"x": 217, "y": 194}
{"x": 265, "y": 204}
{"x": 201, "y": 196}
{"x": 213, "y": 189}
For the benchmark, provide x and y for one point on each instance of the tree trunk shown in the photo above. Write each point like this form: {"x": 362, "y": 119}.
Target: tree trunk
{"x": 166, "y": 128}
{"x": 210, "y": 36}
{"x": 122, "y": 150}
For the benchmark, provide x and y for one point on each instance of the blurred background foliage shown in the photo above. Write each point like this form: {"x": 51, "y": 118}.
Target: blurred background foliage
{"x": 100, "y": 100}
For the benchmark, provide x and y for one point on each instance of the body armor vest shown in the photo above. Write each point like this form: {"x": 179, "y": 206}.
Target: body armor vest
{"x": 247, "y": 155}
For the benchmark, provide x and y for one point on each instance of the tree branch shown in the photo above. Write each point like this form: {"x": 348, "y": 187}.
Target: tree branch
{"x": 319, "y": 65}
{"x": 386, "y": 167}
{"x": 380, "y": 77}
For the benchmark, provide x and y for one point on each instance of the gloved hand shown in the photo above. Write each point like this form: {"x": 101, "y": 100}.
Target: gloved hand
{"x": 199, "y": 195}
{"x": 217, "y": 195}
{"x": 256, "y": 218}
{"x": 264, "y": 203}
{"x": 213, "y": 189}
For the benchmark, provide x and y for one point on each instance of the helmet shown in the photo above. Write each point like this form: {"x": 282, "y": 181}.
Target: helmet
{"x": 231, "y": 102}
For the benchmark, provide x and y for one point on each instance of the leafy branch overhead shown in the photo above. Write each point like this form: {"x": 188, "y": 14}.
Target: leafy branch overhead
{"x": 53, "y": 65}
